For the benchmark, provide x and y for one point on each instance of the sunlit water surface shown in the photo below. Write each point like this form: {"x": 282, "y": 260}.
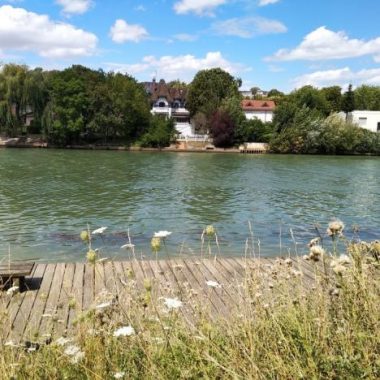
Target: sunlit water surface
{"x": 47, "y": 197}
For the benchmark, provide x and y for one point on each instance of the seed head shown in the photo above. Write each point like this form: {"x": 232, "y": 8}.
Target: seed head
{"x": 85, "y": 236}
{"x": 209, "y": 230}
{"x": 155, "y": 244}
{"x": 91, "y": 256}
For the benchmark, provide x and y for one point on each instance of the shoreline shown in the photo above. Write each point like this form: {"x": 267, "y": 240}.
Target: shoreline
{"x": 14, "y": 143}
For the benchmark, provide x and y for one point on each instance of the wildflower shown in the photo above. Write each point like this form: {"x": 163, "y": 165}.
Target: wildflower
{"x": 99, "y": 231}
{"x": 335, "y": 228}
{"x": 147, "y": 285}
{"x": 213, "y": 284}
{"x": 118, "y": 375}
{"x": 91, "y": 256}
{"x": 75, "y": 352}
{"x": 173, "y": 303}
{"x": 127, "y": 246}
{"x": 339, "y": 269}
{"x": 10, "y": 343}
{"x": 306, "y": 257}
{"x": 288, "y": 261}
{"x": 316, "y": 251}
{"x": 314, "y": 241}
{"x": 85, "y": 236}
{"x": 103, "y": 305}
{"x": 156, "y": 244}
{"x": 162, "y": 234}
{"x": 344, "y": 259}
{"x": 209, "y": 230}
{"x": 124, "y": 331}
{"x": 63, "y": 341}
{"x": 13, "y": 290}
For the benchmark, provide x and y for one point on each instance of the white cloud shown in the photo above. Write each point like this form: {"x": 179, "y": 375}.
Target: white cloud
{"x": 263, "y": 3}
{"x": 74, "y": 6}
{"x": 199, "y": 7}
{"x": 122, "y": 32}
{"x": 21, "y": 30}
{"x": 342, "y": 77}
{"x": 248, "y": 27}
{"x": 140, "y": 8}
{"x": 324, "y": 44}
{"x": 182, "y": 66}
{"x": 185, "y": 37}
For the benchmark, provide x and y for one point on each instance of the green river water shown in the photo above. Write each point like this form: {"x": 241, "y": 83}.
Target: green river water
{"x": 47, "y": 197}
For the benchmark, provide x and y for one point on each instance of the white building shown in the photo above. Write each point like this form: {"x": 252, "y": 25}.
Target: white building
{"x": 366, "y": 119}
{"x": 258, "y": 109}
{"x": 170, "y": 102}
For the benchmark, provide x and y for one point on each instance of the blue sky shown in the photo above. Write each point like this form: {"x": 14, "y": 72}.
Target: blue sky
{"x": 279, "y": 44}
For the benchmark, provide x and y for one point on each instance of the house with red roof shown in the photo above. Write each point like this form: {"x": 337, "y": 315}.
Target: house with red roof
{"x": 258, "y": 109}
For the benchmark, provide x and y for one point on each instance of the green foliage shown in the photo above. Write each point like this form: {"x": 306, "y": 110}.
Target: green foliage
{"x": 160, "y": 133}
{"x": 254, "y": 131}
{"x": 367, "y": 98}
{"x": 312, "y": 98}
{"x": 208, "y": 90}
{"x": 348, "y": 101}
{"x": 333, "y": 95}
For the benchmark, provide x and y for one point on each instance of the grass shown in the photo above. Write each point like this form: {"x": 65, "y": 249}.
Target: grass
{"x": 286, "y": 325}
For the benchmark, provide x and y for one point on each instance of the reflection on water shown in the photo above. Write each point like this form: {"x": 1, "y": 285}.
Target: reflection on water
{"x": 48, "y": 196}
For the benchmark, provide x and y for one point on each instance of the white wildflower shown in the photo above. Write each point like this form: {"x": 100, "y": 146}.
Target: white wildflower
{"x": 213, "y": 284}
{"x": 173, "y": 303}
{"x": 124, "y": 331}
{"x": 99, "y": 231}
{"x": 344, "y": 259}
{"x": 162, "y": 234}
{"x": 314, "y": 241}
{"x": 339, "y": 269}
{"x": 127, "y": 246}
{"x": 75, "y": 352}
{"x": 316, "y": 251}
{"x": 288, "y": 261}
{"x": 118, "y": 375}
{"x": 335, "y": 227}
{"x": 103, "y": 305}
{"x": 13, "y": 290}
{"x": 63, "y": 341}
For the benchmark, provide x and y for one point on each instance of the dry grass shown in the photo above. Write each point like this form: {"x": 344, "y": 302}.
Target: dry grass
{"x": 285, "y": 326}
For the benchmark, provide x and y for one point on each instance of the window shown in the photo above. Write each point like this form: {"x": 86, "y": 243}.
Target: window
{"x": 378, "y": 127}
{"x": 362, "y": 120}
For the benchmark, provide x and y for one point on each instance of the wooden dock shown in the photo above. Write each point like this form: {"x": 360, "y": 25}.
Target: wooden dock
{"x": 58, "y": 293}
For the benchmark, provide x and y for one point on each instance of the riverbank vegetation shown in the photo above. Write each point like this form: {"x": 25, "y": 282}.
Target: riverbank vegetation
{"x": 290, "y": 326}
{"x": 79, "y": 105}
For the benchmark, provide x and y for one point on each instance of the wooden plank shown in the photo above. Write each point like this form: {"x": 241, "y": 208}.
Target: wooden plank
{"x": 12, "y": 311}
{"x": 100, "y": 285}
{"x": 209, "y": 304}
{"x": 63, "y": 307}
{"x": 47, "y": 324}
{"x": 88, "y": 286}
{"x": 23, "y": 314}
{"x": 76, "y": 294}
{"x": 110, "y": 278}
{"x": 32, "y": 328}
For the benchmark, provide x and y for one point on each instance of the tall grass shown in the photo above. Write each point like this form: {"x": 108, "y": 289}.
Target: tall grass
{"x": 286, "y": 324}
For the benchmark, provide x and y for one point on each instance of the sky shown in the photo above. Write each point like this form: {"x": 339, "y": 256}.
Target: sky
{"x": 282, "y": 44}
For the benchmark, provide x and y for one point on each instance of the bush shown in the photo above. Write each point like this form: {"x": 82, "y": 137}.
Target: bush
{"x": 160, "y": 133}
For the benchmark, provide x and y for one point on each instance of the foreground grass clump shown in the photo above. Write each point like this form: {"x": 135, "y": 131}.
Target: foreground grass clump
{"x": 285, "y": 324}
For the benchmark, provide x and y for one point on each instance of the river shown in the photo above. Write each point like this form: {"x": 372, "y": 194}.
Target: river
{"x": 47, "y": 197}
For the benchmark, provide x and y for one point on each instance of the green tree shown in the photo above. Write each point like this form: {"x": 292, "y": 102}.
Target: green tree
{"x": 348, "y": 101}
{"x": 161, "y": 133}
{"x": 208, "y": 90}
{"x": 311, "y": 98}
{"x": 333, "y": 95}
{"x": 367, "y": 98}
{"x": 222, "y": 129}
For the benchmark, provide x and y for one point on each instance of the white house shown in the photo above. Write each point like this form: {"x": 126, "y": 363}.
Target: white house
{"x": 366, "y": 119}
{"x": 258, "y": 109}
{"x": 170, "y": 102}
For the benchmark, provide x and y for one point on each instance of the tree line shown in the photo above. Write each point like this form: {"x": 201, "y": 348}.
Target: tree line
{"x": 305, "y": 121}
{"x": 79, "y": 105}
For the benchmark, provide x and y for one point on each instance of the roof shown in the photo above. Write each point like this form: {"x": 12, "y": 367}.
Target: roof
{"x": 160, "y": 89}
{"x": 258, "y": 105}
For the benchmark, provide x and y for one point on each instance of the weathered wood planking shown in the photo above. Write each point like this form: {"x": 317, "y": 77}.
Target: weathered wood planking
{"x": 57, "y": 294}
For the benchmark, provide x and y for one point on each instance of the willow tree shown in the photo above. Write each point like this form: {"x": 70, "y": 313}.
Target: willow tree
{"x": 22, "y": 91}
